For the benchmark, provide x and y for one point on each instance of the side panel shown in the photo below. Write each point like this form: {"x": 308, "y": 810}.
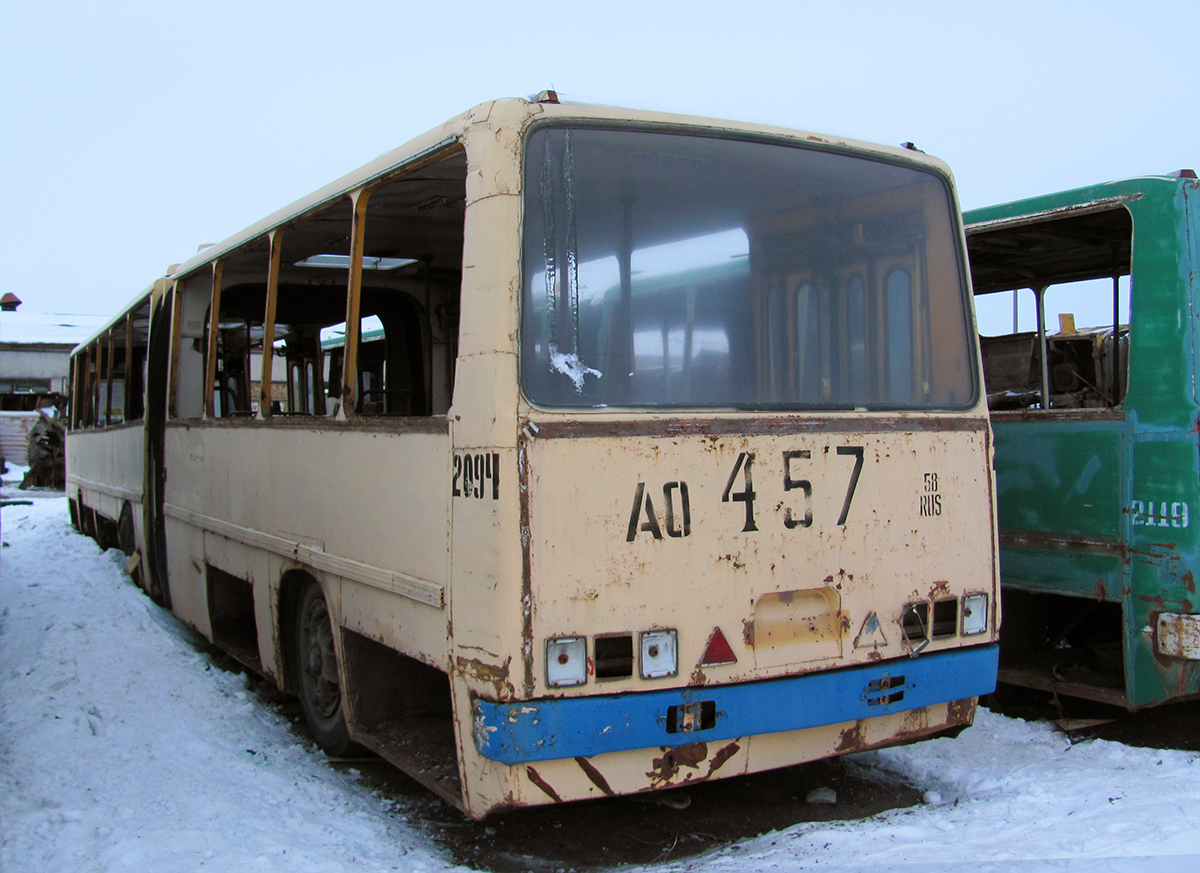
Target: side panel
{"x": 367, "y": 511}
{"x": 106, "y": 466}
{"x": 1100, "y": 507}
{"x": 1059, "y": 486}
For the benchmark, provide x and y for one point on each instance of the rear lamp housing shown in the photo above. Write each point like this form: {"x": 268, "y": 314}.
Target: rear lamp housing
{"x": 566, "y": 661}
{"x": 659, "y": 654}
{"x": 974, "y": 614}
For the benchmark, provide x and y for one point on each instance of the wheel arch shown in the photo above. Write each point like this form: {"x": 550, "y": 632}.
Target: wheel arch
{"x": 292, "y": 585}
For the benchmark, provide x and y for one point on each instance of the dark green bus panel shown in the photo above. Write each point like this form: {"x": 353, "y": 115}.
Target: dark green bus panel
{"x": 1097, "y": 449}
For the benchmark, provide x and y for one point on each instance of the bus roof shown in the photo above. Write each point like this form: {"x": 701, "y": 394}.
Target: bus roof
{"x": 506, "y": 111}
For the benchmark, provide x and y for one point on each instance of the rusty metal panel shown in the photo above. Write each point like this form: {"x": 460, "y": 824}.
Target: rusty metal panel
{"x": 1179, "y": 636}
{"x": 788, "y": 544}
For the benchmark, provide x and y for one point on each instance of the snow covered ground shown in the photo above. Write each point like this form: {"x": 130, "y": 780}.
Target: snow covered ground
{"x": 122, "y": 749}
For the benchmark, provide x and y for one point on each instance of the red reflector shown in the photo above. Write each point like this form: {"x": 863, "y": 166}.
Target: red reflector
{"x": 718, "y": 650}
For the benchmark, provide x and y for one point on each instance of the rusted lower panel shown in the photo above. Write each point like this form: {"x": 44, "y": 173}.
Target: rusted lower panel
{"x": 1044, "y": 680}
{"x": 423, "y": 750}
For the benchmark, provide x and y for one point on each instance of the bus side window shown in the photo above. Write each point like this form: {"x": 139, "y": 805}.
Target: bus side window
{"x": 1082, "y": 265}
{"x": 231, "y": 390}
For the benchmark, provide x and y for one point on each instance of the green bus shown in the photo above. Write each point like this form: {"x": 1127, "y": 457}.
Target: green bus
{"x": 1096, "y": 415}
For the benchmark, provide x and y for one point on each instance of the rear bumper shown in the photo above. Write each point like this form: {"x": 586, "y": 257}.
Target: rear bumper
{"x": 542, "y": 730}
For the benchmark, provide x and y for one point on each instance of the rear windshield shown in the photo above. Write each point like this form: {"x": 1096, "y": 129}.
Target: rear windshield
{"x": 671, "y": 270}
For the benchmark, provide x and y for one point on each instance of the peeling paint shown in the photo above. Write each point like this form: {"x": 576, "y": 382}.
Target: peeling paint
{"x": 667, "y": 767}
{"x": 852, "y": 738}
{"x": 723, "y": 754}
{"x": 536, "y": 779}
{"x": 492, "y": 674}
{"x": 595, "y": 776}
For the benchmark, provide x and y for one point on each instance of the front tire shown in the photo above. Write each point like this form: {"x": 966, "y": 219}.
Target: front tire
{"x": 319, "y": 681}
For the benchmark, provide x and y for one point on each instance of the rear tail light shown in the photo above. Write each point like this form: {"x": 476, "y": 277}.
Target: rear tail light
{"x": 974, "y": 614}
{"x": 660, "y": 657}
{"x": 566, "y": 661}
{"x": 945, "y": 619}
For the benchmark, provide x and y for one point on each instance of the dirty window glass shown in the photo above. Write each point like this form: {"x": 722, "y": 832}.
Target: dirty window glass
{"x": 672, "y": 270}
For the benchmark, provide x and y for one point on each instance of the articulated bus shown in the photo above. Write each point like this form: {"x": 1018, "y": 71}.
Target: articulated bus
{"x": 569, "y": 451}
{"x": 1097, "y": 461}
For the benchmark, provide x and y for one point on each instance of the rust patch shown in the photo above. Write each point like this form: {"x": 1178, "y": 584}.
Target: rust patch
{"x": 536, "y": 778}
{"x": 664, "y": 768}
{"x": 852, "y": 738}
{"x": 723, "y": 754}
{"x": 596, "y": 776}
{"x": 961, "y": 711}
{"x": 940, "y": 588}
{"x": 687, "y": 755}
{"x": 1185, "y": 674}
{"x": 1164, "y": 605}
{"x": 874, "y": 655}
{"x": 495, "y": 675}
{"x": 692, "y": 754}
{"x": 748, "y": 631}
{"x": 916, "y": 721}
{"x": 698, "y": 678}
{"x": 1189, "y": 582}
{"x": 1163, "y": 661}
{"x": 1101, "y": 590}
{"x": 526, "y": 558}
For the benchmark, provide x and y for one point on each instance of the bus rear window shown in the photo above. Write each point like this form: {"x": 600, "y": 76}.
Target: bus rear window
{"x": 685, "y": 271}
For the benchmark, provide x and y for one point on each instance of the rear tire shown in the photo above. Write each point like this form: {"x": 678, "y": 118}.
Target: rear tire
{"x": 126, "y": 538}
{"x": 318, "y": 678}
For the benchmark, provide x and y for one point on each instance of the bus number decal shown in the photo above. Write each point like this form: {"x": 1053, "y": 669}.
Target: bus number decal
{"x": 474, "y": 473}
{"x": 857, "y": 453}
{"x": 1144, "y": 514}
{"x": 803, "y": 484}
{"x": 679, "y": 521}
{"x": 931, "y": 500}
{"x": 746, "y": 495}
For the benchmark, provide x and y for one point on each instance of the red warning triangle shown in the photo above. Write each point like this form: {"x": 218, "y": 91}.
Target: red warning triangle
{"x": 718, "y": 650}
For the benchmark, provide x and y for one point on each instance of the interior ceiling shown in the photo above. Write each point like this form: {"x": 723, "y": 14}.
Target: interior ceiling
{"x": 1071, "y": 248}
{"x": 417, "y": 216}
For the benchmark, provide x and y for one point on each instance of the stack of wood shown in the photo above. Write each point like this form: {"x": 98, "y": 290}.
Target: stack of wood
{"x": 47, "y": 456}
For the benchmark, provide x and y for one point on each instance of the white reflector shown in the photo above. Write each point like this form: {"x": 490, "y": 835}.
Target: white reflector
{"x": 566, "y": 661}
{"x": 659, "y": 654}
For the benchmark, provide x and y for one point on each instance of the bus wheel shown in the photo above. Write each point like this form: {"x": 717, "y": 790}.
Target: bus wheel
{"x": 319, "y": 684}
{"x": 126, "y": 539}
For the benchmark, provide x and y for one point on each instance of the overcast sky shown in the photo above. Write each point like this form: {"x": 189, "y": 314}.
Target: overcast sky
{"x": 132, "y": 132}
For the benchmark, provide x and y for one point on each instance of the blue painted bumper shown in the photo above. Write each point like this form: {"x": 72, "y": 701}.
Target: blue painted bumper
{"x": 569, "y": 727}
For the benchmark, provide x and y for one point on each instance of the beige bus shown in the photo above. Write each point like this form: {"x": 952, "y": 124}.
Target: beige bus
{"x": 570, "y": 451}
